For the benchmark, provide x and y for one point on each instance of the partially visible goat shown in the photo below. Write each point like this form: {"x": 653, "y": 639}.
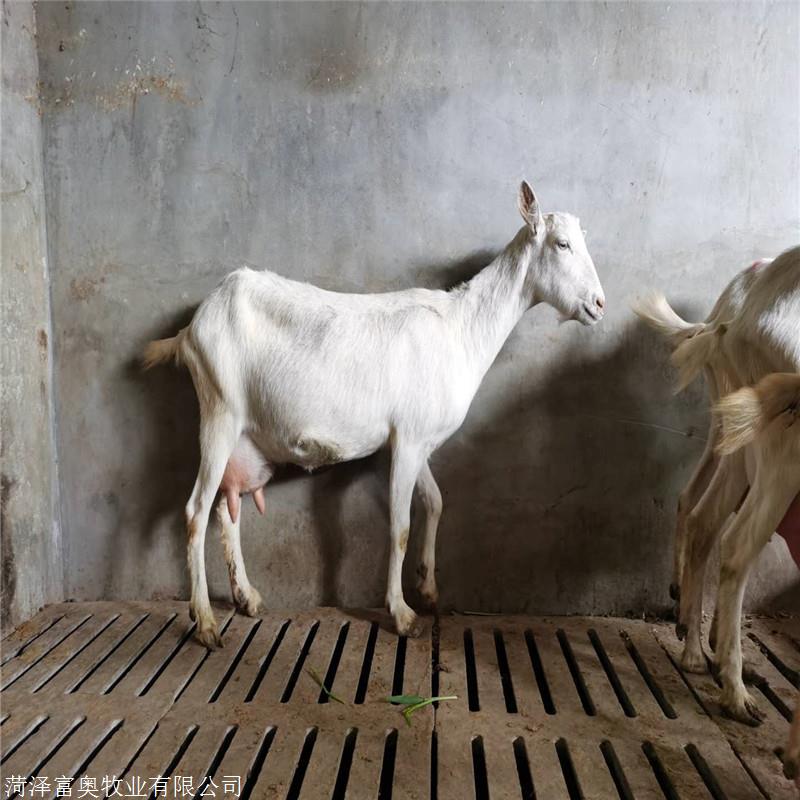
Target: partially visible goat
{"x": 289, "y": 373}
{"x": 762, "y": 335}
{"x": 701, "y": 507}
{"x": 765, "y": 419}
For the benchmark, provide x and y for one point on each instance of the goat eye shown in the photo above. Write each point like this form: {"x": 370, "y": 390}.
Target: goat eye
{"x": 562, "y": 244}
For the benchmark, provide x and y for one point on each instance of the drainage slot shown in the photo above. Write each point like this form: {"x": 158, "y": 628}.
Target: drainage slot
{"x": 47, "y": 652}
{"x": 258, "y": 763}
{"x": 212, "y": 770}
{"x": 302, "y": 763}
{"x": 434, "y": 766}
{"x": 138, "y": 751}
{"x": 182, "y": 689}
{"x": 298, "y": 666}
{"x": 763, "y": 686}
{"x": 366, "y": 665}
{"x": 479, "y": 769}
{"x": 538, "y": 672}
{"x": 235, "y": 663}
{"x": 262, "y": 671}
{"x": 705, "y": 772}
{"x": 611, "y": 674}
{"x": 615, "y": 769}
{"x": 472, "y": 674}
{"x": 575, "y": 671}
{"x": 32, "y": 731}
{"x": 77, "y": 652}
{"x": 51, "y": 752}
{"x": 524, "y": 770}
{"x": 658, "y": 770}
{"x": 790, "y": 674}
{"x": 336, "y": 657}
{"x": 191, "y": 733}
{"x": 505, "y": 673}
{"x": 399, "y": 665}
{"x": 81, "y": 770}
{"x": 181, "y": 642}
{"x": 647, "y": 677}
{"x": 139, "y": 655}
{"x": 107, "y": 655}
{"x": 345, "y": 763}
{"x": 25, "y": 645}
{"x": 568, "y": 770}
{"x": 387, "y": 768}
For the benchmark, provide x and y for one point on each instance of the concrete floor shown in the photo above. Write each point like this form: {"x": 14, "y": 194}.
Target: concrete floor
{"x": 563, "y": 707}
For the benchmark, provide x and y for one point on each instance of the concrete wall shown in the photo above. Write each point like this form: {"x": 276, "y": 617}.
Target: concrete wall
{"x": 369, "y": 147}
{"x": 32, "y": 570}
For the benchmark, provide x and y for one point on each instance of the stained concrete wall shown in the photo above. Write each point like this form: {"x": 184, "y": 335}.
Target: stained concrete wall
{"x": 32, "y": 570}
{"x": 368, "y": 147}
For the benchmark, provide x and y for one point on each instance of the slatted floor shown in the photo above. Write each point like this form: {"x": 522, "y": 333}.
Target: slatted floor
{"x": 115, "y": 695}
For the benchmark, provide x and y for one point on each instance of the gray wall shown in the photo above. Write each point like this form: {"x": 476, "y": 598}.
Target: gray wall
{"x": 372, "y": 147}
{"x": 32, "y": 572}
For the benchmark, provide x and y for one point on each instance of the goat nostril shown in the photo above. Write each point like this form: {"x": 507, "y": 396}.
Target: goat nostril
{"x": 600, "y": 302}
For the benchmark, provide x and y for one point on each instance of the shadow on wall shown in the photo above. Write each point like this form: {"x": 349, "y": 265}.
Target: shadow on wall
{"x": 586, "y": 427}
{"x": 171, "y": 455}
{"x": 588, "y": 430}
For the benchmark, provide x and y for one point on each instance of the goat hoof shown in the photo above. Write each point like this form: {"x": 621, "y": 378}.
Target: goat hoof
{"x": 791, "y": 769}
{"x": 681, "y": 630}
{"x": 209, "y": 638}
{"x": 429, "y": 596}
{"x": 249, "y": 604}
{"x": 694, "y": 662}
{"x": 408, "y": 624}
{"x": 675, "y": 592}
{"x": 743, "y": 709}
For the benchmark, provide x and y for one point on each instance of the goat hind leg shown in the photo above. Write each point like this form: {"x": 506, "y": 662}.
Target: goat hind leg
{"x": 218, "y": 434}
{"x": 703, "y": 527}
{"x": 742, "y": 541}
{"x": 246, "y": 598}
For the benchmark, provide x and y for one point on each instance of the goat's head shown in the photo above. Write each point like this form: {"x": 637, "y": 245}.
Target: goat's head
{"x": 561, "y": 271}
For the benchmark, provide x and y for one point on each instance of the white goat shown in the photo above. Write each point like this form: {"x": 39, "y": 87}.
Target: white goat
{"x": 656, "y": 312}
{"x": 764, "y": 418}
{"x": 288, "y": 373}
{"x": 756, "y": 331}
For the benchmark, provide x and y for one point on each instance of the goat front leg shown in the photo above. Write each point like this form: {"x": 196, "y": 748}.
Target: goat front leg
{"x": 218, "y": 434}
{"x": 246, "y": 598}
{"x": 744, "y": 538}
{"x": 432, "y": 502}
{"x": 406, "y": 463}
{"x": 703, "y": 527}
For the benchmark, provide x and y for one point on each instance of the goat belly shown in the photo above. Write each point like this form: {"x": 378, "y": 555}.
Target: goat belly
{"x": 790, "y": 529}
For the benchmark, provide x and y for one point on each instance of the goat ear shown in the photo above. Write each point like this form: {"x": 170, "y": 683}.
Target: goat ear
{"x": 529, "y": 206}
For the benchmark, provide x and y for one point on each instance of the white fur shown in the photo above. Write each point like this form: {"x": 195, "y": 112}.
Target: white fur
{"x": 314, "y": 377}
{"x": 754, "y": 331}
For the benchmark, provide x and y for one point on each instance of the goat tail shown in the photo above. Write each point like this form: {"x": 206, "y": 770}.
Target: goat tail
{"x": 693, "y": 355}
{"x": 655, "y": 311}
{"x": 745, "y": 413}
{"x": 162, "y": 350}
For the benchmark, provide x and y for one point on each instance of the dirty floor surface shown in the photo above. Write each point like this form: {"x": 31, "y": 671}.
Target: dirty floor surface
{"x": 116, "y": 695}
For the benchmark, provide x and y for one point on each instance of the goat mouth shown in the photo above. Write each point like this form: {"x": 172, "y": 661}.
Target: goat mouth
{"x": 593, "y": 315}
